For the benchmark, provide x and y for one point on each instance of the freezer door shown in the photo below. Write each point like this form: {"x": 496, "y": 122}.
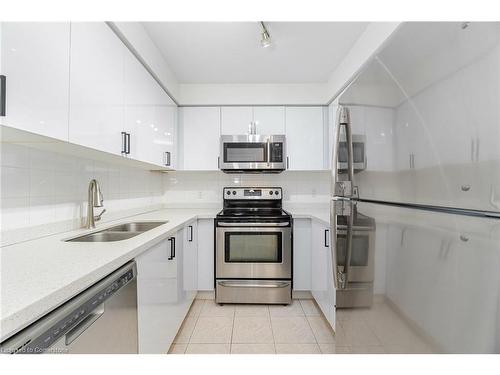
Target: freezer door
{"x": 428, "y": 106}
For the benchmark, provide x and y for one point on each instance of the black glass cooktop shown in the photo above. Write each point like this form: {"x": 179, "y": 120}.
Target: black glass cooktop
{"x": 253, "y": 212}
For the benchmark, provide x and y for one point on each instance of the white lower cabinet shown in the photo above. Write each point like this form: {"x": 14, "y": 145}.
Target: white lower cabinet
{"x": 190, "y": 261}
{"x": 165, "y": 291}
{"x": 302, "y": 254}
{"x": 322, "y": 287}
{"x": 206, "y": 251}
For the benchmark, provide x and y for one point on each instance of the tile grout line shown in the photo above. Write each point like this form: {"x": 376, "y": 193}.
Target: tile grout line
{"x": 310, "y": 327}
{"x": 195, "y": 323}
{"x": 272, "y": 330}
{"x": 232, "y": 330}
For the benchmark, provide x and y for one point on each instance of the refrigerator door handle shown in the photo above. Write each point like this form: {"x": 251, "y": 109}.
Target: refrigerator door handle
{"x": 333, "y": 240}
{"x": 342, "y": 188}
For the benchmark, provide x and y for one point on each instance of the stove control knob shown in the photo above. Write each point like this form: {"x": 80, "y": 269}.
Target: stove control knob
{"x": 234, "y": 192}
{"x": 276, "y": 192}
{"x": 228, "y": 192}
{"x": 270, "y": 192}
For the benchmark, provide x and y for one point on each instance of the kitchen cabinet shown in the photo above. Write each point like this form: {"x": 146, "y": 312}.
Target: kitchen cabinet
{"x": 267, "y": 119}
{"x": 305, "y": 137}
{"x": 162, "y": 299}
{"x": 322, "y": 287}
{"x": 302, "y": 254}
{"x": 199, "y": 133}
{"x": 206, "y": 253}
{"x": 35, "y": 59}
{"x": 150, "y": 116}
{"x": 190, "y": 261}
{"x": 96, "y": 87}
{"x": 236, "y": 120}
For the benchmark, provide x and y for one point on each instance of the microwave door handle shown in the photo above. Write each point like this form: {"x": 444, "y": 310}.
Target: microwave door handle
{"x": 268, "y": 152}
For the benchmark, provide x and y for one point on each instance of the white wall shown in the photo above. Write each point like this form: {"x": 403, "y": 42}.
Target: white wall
{"x": 136, "y": 36}
{"x": 251, "y": 94}
{"x": 43, "y": 192}
{"x": 366, "y": 46}
{"x": 199, "y": 189}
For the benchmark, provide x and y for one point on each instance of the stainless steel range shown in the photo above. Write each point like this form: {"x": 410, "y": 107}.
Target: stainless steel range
{"x": 253, "y": 242}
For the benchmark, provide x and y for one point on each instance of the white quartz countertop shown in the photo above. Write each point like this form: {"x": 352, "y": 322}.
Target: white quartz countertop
{"x": 40, "y": 275}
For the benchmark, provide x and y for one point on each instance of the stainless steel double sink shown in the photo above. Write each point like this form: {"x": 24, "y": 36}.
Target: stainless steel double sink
{"x": 118, "y": 232}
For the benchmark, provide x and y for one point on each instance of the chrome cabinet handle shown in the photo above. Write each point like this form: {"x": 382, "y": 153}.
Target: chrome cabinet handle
{"x": 287, "y": 162}
{"x": 124, "y": 143}
{"x": 190, "y": 238}
{"x": 3, "y": 95}
{"x": 326, "y": 237}
{"x": 172, "y": 248}
{"x": 166, "y": 158}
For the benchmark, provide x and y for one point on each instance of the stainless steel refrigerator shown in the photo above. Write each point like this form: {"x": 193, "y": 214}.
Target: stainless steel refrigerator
{"x": 415, "y": 205}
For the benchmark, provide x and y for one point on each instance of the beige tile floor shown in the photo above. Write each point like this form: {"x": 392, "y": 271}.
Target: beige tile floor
{"x": 299, "y": 328}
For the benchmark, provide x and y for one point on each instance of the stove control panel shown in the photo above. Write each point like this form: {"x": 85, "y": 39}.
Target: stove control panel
{"x": 242, "y": 193}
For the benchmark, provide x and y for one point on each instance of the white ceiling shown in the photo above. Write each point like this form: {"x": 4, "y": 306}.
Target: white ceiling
{"x": 230, "y": 52}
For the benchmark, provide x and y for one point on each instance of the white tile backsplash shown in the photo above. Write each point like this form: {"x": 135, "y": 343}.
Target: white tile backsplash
{"x": 43, "y": 192}
{"x": 202, "y": 188}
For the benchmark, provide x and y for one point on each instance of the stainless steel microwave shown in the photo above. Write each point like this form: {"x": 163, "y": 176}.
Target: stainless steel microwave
{"x": 252, "y": 153}
{"x": 358, "y": 153}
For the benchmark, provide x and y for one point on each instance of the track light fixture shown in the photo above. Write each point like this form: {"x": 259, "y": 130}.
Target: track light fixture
{"x": 265, "y": 40}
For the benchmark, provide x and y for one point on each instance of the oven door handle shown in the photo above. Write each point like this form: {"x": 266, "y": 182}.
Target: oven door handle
{"x": 225, "y": 224}
{"x": 235, "y": 284}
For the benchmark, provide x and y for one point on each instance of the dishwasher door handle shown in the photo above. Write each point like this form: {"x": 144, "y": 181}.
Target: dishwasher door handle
{"x": 84, "y": 324}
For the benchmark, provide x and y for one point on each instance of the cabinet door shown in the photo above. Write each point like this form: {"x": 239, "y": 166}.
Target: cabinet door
{"x": 206, "y": 254}
{"x": 302, "y": 254}
{"x": 236, "y": 120}
{"x": 96, "y": 87}
{"x": 304, "y": 135}
{"x": 200, "y": 137}
{"x": 35, "y": 60}
{"x": 190, "y": 260}
{"x": 157, "y": 298}
{"x": 269, "y": 120}
{"x": 321, "y": 272}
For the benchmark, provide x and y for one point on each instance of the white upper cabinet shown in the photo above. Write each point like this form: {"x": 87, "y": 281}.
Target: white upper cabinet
{"x": 269, "y": 120}
{"x": 150, "y": 116}
{"x": 199, "y": 132}
{"x": 236, "y": 120}
{"x": 35, "y": 60}
{"x": 305, "y": 137}
{"x": 96, "y": 87}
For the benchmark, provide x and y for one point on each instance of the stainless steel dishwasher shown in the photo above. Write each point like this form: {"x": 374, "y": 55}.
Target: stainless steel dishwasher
{"x": 102, "y": 319}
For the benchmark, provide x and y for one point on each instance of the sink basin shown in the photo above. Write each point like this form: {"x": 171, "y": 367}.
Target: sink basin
{"x": 118, "y": 232}
{"x": 140, "y": 226}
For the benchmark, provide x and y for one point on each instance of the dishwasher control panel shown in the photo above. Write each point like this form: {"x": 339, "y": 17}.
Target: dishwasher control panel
{"x": 81, "y": 311}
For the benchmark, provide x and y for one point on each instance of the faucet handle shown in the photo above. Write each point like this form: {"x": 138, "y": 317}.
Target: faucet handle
{"x": 98, "y": 217}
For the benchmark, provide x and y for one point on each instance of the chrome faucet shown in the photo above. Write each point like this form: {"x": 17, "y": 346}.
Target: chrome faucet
{"x": 95, "y": 200}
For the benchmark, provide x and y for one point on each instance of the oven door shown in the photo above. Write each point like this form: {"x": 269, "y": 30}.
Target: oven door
{"x": 361, "y": 263}
{"x": 254, "y": 252}
{"x": 252, "y": 153}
